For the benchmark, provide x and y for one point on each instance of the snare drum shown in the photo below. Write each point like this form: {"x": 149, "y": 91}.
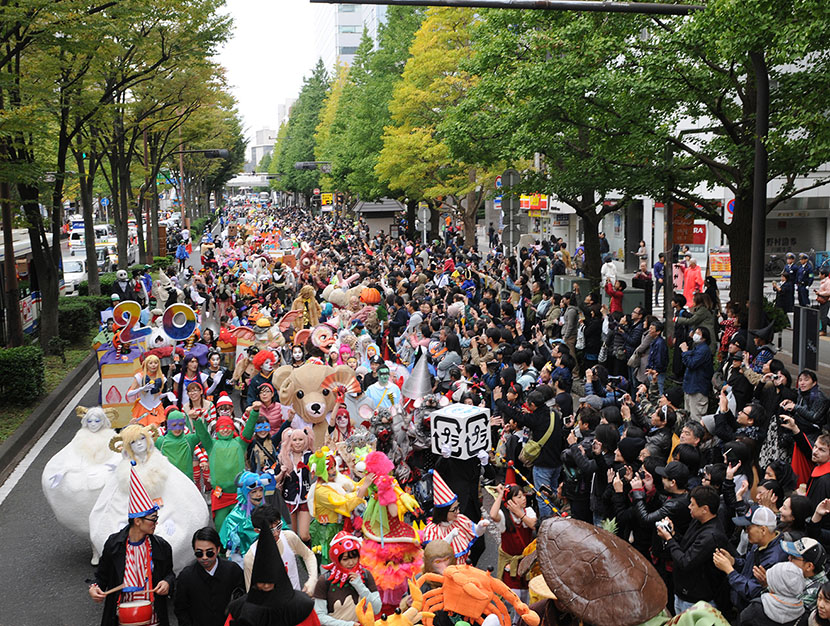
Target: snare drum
{"x": 135, "y": 613}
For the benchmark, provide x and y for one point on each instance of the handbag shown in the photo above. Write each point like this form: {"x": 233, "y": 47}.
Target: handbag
{"x": 580, "y": 338}
{"x": 532, "y": 449}
{"x": 603, "y": 353}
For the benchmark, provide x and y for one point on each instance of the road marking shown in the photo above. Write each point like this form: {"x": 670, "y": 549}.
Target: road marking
{"x": 20, "y": 470}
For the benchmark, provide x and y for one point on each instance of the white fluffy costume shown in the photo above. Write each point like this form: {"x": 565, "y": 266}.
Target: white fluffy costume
{"x": 73, "y": 479}
{"x": 182, "y": 508}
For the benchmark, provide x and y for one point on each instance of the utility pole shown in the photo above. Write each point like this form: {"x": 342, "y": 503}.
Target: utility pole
{"x": 181, "y": 178}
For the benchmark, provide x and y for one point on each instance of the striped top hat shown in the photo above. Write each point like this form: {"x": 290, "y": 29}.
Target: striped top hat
{"x": 442, "y": 495}
{"x": 140, "y": 503}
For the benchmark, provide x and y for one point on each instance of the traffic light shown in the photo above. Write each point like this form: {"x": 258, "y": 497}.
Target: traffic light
{"x": 340, "y": 198}
{"x": 222, "y": 153}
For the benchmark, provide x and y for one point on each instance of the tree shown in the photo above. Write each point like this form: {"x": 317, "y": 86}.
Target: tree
{"x": 415, "y": 159}
{"x": 328, "y": 135}
{"x": 299, "y": 140}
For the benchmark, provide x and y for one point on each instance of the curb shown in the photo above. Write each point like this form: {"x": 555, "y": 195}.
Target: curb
{"x": 13, "y": 449}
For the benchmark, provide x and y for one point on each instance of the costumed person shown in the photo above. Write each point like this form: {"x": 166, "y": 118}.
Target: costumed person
{"x": 226, "y": 457}
{"x": 271, "y": 601}
{"x": 73, "y": 479}
{"x": 264, "y": 362}
{"x": 262, "y": 454}
{"x": 391, "y": 549}
{"x": 237, "y": 531}
{"x": 294, "y": 477}
{"x": 344, "y": 584}
{"x": 308, "y": 305}
{"x": 448, "y": 523}
{"x": 136, "y": 565}
{"x": 177, "y": 445}
{"x": 189, "y": 373}
{"x": 332, "y": 498}
{"x": 515, "y": 521}
{"x": 219, "y": 378}
{"x": 196, "y": 406}
{"x": 146, "y": 391}
{"x": 182, "y": 509}
{"x": 342, "y": 429}
{"x": 383, "y": 394}
{"x": 270, "y": 409}
{"x": 290, "y": 548}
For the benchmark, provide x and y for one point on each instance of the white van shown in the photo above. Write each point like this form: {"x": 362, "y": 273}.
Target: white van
{"x": 104, "y": 235}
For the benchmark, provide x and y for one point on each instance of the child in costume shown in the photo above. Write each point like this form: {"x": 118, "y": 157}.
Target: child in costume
{"x": 516, "y": 522}
{"x": 237, "y": 532}
{"x": 337, "y": 593}
{"x": 146, "y": 391}
{"x": 391, "y": 549}
{"x": 226, "y": 457}
{"x": 332, "y": 498}
{"x": 448, "y": 523}
{"x": 294, "y": 477}
{"x": 177, "y": 444}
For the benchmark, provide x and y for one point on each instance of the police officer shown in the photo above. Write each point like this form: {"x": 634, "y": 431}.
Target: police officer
{"x": 804, "y": 278}
{"x": 791, "y": 268}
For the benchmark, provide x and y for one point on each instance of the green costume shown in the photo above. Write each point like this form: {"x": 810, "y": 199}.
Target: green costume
{"x": 237, "y": 532}
{"x": 226, "y": 456}
{"x": 178, "y": 448}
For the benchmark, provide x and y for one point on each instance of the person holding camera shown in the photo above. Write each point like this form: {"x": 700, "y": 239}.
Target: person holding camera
{"x": 697, "y": 357}
{"x": 694, "y": 574}
{"x": 577, "y": 475}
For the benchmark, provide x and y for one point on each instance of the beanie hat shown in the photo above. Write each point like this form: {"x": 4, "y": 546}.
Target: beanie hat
{"x": 786, "y": 583}
{"x": 224, "y": 400}
{"x": 630, "y": 448}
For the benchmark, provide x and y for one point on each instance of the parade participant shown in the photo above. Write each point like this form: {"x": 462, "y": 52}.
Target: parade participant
{"x": 332, "y": 499}
{"x": 189, "y": 373}
{"x": 515, "y": 521}
{"x": 264, "y": 362}
{"x": 226, "y": 457}
{"x": 383, "y": 394}
{"x": 146, "y": 391}
{"x": 341, "y": 429}
{"x": 294, "y": 477}
{"x": 271, "y": 601}
{"x": 448, "y": 523}
{"x": 136, "y": 566}
{"x": 262, "y": 453}
{"x": 224, "y": 408}
{"x": 290, "y": 548}
{"x": 237, "y": 532}
{"x": 204, "y": 588}
{"x": 219, "y": 378}
{"x": 337, "y": 593}
{"x": 196, "y": 406}
{"x": 73, "y": 479}
{"x": 177, "y": 445}
{"x": 270, "y": 408}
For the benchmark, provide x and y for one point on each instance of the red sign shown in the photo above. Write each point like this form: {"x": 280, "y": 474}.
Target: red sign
{"x": 699, "y": 236}
{"x": 317, "y": 192}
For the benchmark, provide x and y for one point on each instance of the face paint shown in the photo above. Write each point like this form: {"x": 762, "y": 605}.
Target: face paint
{"x": 383, "y": 376}
{"x": 268, "y": 366}
{"x": 139, "y": 446}
{"x": 297, "y": 353}
{"x": 94, "y": 423}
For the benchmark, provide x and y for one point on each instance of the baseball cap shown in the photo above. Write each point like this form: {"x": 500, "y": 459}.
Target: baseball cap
{"x": 757, "y": 516}
{"x": 808, "y": 549}
{"x": 674, "y": 471}
{"x": 592, "y": 401}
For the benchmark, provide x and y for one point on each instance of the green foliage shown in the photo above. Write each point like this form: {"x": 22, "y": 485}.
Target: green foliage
{"x": 163, "y": 262}
{"x": 776, "y": 316}
{"x": 95, "y": 303}
{"x": 75, "y": 319}
{"x": 21, "y": 374}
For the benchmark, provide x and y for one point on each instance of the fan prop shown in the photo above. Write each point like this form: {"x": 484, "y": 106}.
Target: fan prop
{"x": 338, "y": 379}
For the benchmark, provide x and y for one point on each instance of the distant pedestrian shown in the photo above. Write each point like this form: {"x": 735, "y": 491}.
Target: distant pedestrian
{"x": 804, "y": 278}
{"x": 604, "y": 246}
{"x": 659, "y": 275}
{"x": 823, "y": 298}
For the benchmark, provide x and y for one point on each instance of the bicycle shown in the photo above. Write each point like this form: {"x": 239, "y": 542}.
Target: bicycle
{"x": 775, "y": 265}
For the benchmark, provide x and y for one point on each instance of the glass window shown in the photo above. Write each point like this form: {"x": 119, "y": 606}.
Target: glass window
{"x": 348, "y": 49}
{"x": 347, "y": 8}
{"x": 349, "y": 29}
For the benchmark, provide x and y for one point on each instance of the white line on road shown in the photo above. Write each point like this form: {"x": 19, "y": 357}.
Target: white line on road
{"x": 20, "y": 470}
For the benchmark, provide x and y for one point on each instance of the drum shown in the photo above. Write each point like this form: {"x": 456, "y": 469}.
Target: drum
{"x": 135, "y": 613}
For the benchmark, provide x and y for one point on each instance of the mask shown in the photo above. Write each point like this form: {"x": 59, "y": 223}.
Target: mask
{"x": 139, "y": 446}
{"x": 214, "y": 361}
{"x": 94, "y": 424}
{"x": 697, "y": 337}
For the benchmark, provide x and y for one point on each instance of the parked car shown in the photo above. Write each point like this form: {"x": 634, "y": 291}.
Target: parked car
{"x": 74, "y": 273}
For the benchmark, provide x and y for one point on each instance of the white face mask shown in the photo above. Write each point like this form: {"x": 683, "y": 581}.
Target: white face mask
{"x": 139, "y": 446}
{"x": 697, "y": 337}
{"x": 94, "y": 423}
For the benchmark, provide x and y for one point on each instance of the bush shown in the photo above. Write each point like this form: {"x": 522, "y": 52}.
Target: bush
{"x": 21, "y": 374}
{"x": 163, "y": 262}
{"x": 106, "y": 279}
{"x": 75, "y": 319}
{"x": 95, "y": 303}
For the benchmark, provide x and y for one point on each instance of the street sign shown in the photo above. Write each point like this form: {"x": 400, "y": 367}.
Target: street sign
{"x": 105, "y": 201}
{"x": 517, "y": 230}
{"x": 316, "y": 192}
{"x": 497, "y": 203}
{"x": 422, "y": 226}
{"x": 423, "y": 211}
{"x": 327, "y": 199}
{"x": 805, "y": 337}
{"x": 498, "y": 182}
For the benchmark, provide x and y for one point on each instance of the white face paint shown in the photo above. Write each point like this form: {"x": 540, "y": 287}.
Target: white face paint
{"x": 214, "y": 361}
{"x": 268, "y": 366}
{"x": 94, "y": 423}
{"x": 297, "y": 353}
{"x": 139, "y": 446}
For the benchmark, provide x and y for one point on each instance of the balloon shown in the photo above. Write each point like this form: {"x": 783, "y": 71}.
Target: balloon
{"x": 409, "y": 249}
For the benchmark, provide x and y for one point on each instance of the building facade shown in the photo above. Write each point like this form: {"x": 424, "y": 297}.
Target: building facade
{"x": 339, "y": 28}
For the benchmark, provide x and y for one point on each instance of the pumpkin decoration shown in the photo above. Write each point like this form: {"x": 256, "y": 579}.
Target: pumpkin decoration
{"x": 370, "y": 295}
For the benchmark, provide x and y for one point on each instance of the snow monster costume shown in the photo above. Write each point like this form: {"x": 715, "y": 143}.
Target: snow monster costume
{"x": 237, "y": 533}
{"x": 226, "y": 456}
{"x": 177, "y": 446}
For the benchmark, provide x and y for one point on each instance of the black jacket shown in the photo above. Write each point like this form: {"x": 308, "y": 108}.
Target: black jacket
{"x": 201, "y": 599}
{"x": 695, "y": 576}
{"x": 538, "y": 422}
{"x": 675, "y": 507}
{"x": 110, "y": 573}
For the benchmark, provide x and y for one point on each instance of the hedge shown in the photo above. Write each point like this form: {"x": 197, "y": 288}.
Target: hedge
{"x": 21, "y": 374}
{"x": 163, "y": 262}
{"x": 75, "y": 319}
{"x": 107, "y": 279}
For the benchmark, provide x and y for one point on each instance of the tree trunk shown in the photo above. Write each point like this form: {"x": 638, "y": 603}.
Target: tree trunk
{"x": 739, "y": 236}
{"x": 85, "y": 185}
{"x": 14, "y": 322}
{"x": 45, "y": 266}
{"x": 470, "y": 212}
{"x": 591, "y": 220}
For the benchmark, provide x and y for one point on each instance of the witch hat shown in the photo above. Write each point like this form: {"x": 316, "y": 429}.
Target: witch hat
{"x": 140, "y": 504}
{"x": 417, "y": 385}
{"x": 765, "y": 334}
{"x": 442, "y": 495}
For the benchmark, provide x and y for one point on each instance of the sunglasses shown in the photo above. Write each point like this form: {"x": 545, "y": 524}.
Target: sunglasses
{"x": 455, "y": 509}
{"x": 207, "y": 553}
{"x": 152, "y": 520}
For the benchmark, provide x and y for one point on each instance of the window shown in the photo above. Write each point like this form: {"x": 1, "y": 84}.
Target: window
{"x": 350, "y": 29}
{"x": 347, "y": 8}
{"x": 348, "y": 49}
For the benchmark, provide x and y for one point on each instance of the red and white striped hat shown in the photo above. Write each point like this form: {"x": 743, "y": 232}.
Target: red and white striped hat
{"x": 140, "y": 503}
{"x": 442, "y": 495}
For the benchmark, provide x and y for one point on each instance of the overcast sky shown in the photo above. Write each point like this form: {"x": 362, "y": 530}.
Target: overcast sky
{"x": 271, "y": 50}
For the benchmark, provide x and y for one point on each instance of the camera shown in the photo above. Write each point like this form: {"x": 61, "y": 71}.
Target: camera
{"x": 663, "y": 524}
